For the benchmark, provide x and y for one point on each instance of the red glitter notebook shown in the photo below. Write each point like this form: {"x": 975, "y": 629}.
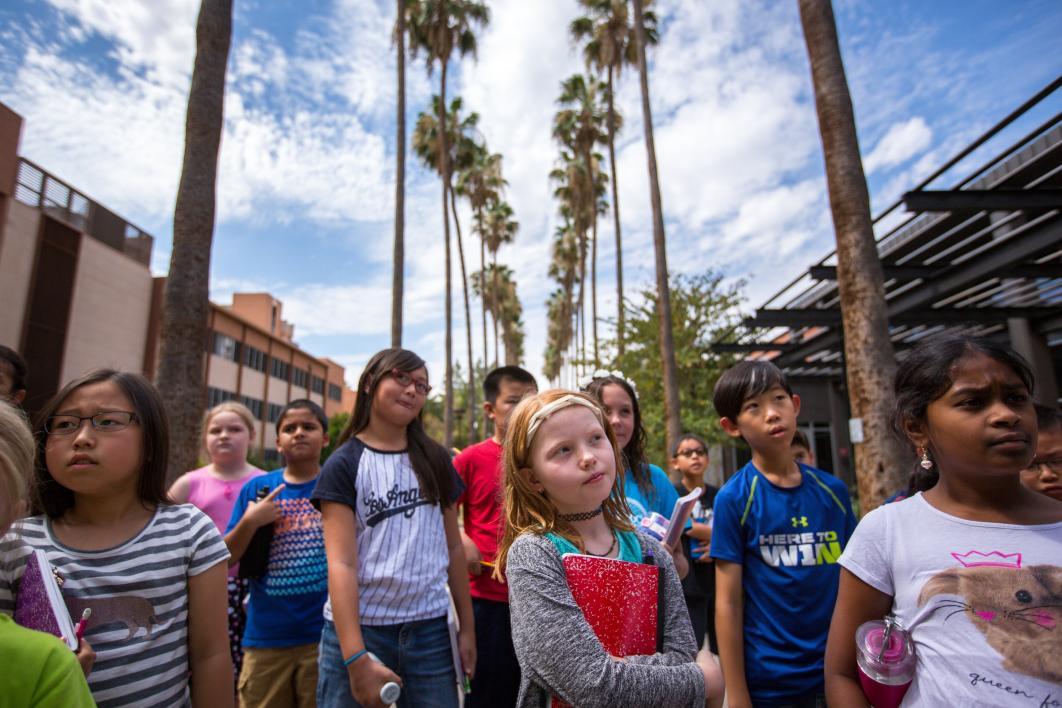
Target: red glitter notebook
{"x": 621, "y": 601}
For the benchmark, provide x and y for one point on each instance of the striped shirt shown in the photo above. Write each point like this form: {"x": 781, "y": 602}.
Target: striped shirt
{"x": 138, "y": 592}
{"x": 402, "y": 554}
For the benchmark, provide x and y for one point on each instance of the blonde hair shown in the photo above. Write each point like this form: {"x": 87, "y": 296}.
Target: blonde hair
{"x": 16, "y": 461}
{"x": 530, "y": 511}
{"x": 227, "y": 407}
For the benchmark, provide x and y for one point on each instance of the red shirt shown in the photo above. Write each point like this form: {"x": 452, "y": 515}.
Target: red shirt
{"x": 480, "y": 468}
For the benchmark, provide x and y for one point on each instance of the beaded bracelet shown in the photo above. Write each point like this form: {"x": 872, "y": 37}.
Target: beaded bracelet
{"x": 354, "y": 657}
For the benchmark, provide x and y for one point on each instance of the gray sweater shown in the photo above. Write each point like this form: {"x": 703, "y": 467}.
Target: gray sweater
{"x": 560, "y": 655}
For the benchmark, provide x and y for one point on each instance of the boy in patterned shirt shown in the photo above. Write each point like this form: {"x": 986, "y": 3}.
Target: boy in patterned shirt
{"x": 284, "y": 614}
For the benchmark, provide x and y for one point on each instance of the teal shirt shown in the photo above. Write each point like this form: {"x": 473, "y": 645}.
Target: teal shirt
{"x": 39, "y": 670}
{"x": 629, "y": 548}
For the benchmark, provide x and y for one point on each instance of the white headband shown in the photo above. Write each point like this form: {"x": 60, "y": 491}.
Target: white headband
{"x": 550, "y": 408}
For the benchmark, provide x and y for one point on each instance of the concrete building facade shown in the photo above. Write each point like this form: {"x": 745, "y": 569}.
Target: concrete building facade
{"x": 77, "y": 293}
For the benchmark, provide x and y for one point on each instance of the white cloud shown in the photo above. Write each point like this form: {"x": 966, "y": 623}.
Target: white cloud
{"x": 902, "y": 142}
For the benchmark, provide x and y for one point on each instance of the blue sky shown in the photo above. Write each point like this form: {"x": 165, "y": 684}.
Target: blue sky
{"x": 306, "y": 179}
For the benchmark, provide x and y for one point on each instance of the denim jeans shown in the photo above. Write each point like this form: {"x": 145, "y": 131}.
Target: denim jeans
{"x": 419, "y": 652}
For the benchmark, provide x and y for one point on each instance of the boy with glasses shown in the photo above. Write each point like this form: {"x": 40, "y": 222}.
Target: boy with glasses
{"x": 1044, "y": 474}
{"x": 689, "y": 457}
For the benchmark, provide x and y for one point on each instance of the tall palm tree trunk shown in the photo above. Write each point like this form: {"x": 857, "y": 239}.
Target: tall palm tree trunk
{"x": 444, "y": 172}
{"x": 615, "y": 215}
{"x": 471, "y": 396}
{"x": 186, "y": 308}
{"x": 593, "y": 288}
{"x": 582, "y": 302}
{"x": 494, "y": 303}
{"x": 483, "y": 280}
{"x": 397, "y": 279}
{"x": 672, "y": 412}
{"x": 869, "y": 360}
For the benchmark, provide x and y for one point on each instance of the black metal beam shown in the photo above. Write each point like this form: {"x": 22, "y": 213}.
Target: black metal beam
{"x": 913, "y": 272}
{"x": 736, "y": 348}
{"x": 1042, "y": 199}
{"x": 811, "y": 317}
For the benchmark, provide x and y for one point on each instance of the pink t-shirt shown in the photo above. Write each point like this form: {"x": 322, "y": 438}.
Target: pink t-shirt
{"x": 217, "y": 497}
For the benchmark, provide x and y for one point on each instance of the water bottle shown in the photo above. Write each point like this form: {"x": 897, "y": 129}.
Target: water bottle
{"x": 390, "y": 691}
{"x": 704, "y": 517}
{"x": 885, "y": 656}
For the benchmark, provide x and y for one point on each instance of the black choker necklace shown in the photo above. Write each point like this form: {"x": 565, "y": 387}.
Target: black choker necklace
{"x": 606, "y": 553}
{"x": 581, "y": 516}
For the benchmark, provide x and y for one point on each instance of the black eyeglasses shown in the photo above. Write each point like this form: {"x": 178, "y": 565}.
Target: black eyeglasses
{"x": 698, "y": 451}
{"x": 404, "y": 378}
{"x": 106, "y": 422}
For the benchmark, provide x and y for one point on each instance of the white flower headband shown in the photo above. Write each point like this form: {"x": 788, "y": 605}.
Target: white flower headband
{"x": 584, "y": 382}
{"x": 549, "y": 409}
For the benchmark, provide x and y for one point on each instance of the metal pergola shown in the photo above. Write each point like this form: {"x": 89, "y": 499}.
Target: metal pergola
{"x": 983, "y": 256}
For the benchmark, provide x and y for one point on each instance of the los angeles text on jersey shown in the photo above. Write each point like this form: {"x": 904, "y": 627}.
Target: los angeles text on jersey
{"x": 807, "y": 548}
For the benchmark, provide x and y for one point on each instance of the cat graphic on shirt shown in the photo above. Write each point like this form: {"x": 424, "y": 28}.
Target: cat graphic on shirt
{"x": 1018, "y": 610}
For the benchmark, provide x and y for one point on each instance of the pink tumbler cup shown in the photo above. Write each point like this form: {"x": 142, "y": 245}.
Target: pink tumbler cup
{"x": 885, "y": 657}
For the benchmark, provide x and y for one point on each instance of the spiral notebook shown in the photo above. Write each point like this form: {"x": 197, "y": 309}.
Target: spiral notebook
{"x": 623, "y": 602}
{"x": 39, "y": 605}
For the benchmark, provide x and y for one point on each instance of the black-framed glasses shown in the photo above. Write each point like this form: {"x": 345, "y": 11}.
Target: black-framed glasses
{"x": 404, "y": 378}
{"x": 1054, "y": 465}
{"x": 697, "y": 451}
{"x": 105, "y": 422}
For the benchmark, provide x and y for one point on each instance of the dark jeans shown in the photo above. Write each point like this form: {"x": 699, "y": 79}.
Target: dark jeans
{"x": 813, "y": 699}
{"x": 497, "y": 680}
{"x": 702, "y": 616}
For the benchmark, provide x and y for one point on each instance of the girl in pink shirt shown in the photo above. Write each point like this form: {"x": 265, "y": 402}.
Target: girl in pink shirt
{"x": 228, "y": 430}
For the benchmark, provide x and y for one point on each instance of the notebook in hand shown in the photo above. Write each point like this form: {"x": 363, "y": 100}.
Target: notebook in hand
{"x": 621, "y": 601}
{"x": 39, "y": 605}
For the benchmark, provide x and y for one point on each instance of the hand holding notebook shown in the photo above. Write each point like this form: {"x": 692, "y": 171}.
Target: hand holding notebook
{"x": 39, "y": 605}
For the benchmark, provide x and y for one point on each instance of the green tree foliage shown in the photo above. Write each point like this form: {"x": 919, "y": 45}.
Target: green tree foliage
{"x": 704, "y": 309}
{"x": 335, "y": 426}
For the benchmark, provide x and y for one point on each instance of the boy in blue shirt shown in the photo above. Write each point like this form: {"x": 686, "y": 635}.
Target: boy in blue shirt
{"x": 285, "y": 611}
{"x": 779, "y": 528}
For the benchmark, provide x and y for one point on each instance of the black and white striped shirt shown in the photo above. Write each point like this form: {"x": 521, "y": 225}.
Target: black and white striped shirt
{"x": 402, "y": 553}
{"x": 138, "y": 592}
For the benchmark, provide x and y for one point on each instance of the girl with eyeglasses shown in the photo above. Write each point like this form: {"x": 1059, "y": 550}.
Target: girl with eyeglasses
{"x": 227, "y": 433}
{"x": 387, "y": 498}
{"x": 152, "y": 572}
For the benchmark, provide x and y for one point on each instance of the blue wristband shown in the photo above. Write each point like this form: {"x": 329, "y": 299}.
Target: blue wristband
{"x": 354, "y": 657}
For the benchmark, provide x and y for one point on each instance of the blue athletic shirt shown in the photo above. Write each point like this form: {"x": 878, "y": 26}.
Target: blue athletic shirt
{"x": 788, "y": 541}
{"x": 286, "y": 603}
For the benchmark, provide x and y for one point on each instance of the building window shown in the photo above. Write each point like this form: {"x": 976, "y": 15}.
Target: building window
{"x": 280, "y": 369}
{"x": 317, "y": 384}
{"x": 254, "y": 358}
{"x": 335, "y": 392}
{"x": 300, "y": 378}
{"x": 253, "y": 405}
{"x": 274, "y": 412}
{"x": 219, "y": 395}
{"x": 226, "y": 347}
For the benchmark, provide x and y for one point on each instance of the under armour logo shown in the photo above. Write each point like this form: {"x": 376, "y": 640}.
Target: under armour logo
{"x": 799, "y": 521}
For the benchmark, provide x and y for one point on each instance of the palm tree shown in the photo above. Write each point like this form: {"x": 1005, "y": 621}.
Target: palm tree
{"x": 426, "y": 142}
{"x": 869, "y": 360}
{"x": 481, "y": 183}
{"x": 501, "y": 228}
{"x": 564, "y": 269}
{"x": 398, "y": 276}
{"x": 441, "y": 27}
{"x": 610, "y": 45}
{"x": 579, "y": 127}
{"x": 186, "y": 308}
{"x": 505, "y": 307}
{"x": 672, "y": 413}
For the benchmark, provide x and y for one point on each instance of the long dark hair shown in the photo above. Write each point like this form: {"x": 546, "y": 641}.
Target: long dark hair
{"x": 634, "y": 450}
{"x": 431, "y": 463}
{"x": 925, "y": 375}
{"x": 51, "y": 498}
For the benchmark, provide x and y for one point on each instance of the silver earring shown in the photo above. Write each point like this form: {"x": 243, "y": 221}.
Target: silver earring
{"x": 926, "y": 463}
